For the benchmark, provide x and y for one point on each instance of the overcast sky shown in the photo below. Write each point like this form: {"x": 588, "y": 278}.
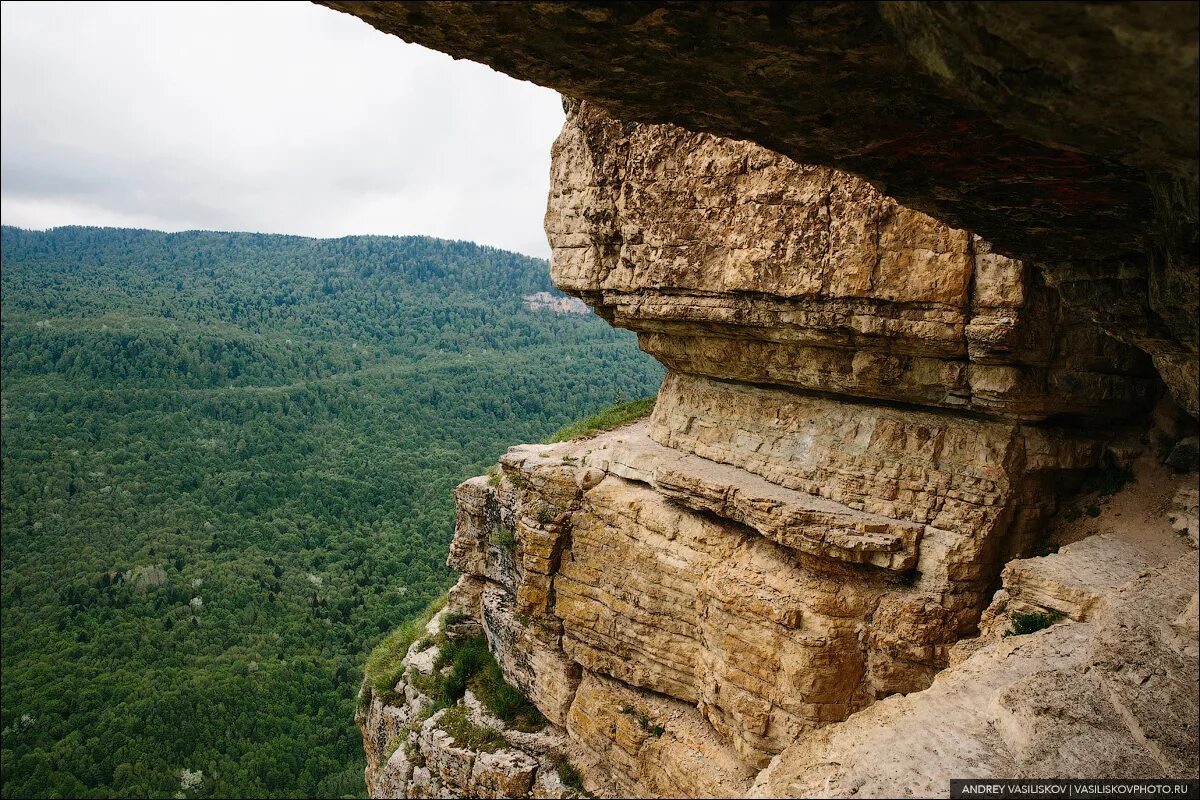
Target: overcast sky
{"x": 273, "y": 117}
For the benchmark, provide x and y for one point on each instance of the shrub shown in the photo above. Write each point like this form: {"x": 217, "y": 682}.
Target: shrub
{"x": 502, "y": 537}
{"x": 643, "y": 720}
{"x": 612, "y": 417}
{"x": 473, "y": 666}
{"x": 503, "y": 701}
{"x": 467, "y": 734}
{"x": 567, "y": 773}
{"x": 453, "y": 618}
{"x": 1022, "y": 624}
{"x": 1093, "y": 511}
{"x": 1072, "y": 514}
{"x": 384, "y": 668}
{"x": 465, "y": 658}
{"x": 431, "y": 685}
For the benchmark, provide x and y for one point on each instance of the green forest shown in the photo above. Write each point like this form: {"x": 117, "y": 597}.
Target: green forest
{"x": 228, "y": 462}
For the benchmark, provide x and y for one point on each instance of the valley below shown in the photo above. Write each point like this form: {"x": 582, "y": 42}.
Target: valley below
{"x": 228, "y": 471}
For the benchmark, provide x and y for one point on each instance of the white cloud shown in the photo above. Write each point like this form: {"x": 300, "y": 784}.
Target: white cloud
{"x": 275, "y": 117}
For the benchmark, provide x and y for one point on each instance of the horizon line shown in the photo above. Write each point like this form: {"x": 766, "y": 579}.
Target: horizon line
{"x": 51, "y": 228}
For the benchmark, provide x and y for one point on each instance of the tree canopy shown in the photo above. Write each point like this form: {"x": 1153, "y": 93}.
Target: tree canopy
{"x": 228, "y": 463}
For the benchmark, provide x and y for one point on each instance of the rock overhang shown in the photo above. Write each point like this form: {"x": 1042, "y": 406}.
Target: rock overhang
{"x": 1065, "y": 135}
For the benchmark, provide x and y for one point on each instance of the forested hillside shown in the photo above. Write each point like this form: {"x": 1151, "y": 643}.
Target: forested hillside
{"x": 227, "y": 471}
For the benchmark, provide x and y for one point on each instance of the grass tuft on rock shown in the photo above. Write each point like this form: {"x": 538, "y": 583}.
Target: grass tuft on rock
{"x": 467, "y": 734}
{"x": 567, "y": 772}
{"x": 472, "y": 666}
{"x": 503, "y": 537}
{"x": 612, "y": 417}
{"x": 384, "y": 668}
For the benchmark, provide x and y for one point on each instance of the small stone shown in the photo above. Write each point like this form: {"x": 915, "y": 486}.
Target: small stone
{"x": 1185, "y": 456}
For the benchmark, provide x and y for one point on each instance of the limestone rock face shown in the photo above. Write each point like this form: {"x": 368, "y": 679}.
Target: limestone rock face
{"x": 723, "y": 602}
{"x": 735, "y": 262}
{"x": 412, "y": 750}
{"x": 1113, "y": 697}
{"x": 1066, "y": 134}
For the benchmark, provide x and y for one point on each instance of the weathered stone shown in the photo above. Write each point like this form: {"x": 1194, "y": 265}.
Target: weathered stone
{"x": 794, "y": 519}
{"x": 735, "y": 262}
{"x": 1185, "y": 514}
{"x": 868, "y": 410}
{"x": 1116, "y": 697}
{"x": 506, "y": 773}
{"x": 952, "y": 474}
{"x": 652, "y": 746}
{"x": 1185, "y": 455}
{"x": 773, "y": 611}
{"x": 539, "y": 670}
{"x": 1072, "y": 581}
{"x": 409, "y": 754}
{"x": 449, "y": 764}
{"x": 382, "y": 727}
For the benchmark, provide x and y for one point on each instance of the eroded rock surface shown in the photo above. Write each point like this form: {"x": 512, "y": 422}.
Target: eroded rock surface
{"x": 412, "y": 749}
{"x": 1113, "y": 697}
{"x": 735, "y": 262}
{"x": 681, "y": 645}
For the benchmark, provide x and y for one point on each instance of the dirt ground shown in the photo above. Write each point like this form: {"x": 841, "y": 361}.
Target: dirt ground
{"x": 1137, "y": 513}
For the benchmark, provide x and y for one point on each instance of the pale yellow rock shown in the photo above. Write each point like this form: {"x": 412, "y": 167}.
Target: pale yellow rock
{"x": 506, "y": 773}
{"x": 541, "y": 671}
{"x": 963, "y": 476}
{"x": 705, "y": 571}
{"x": 778, "y": 579}
{"x": 650, "y": 746}
{"x": 735, "y": 262}
{"x": 1116, "y": 697}
{"x": 627, "y": 592}
{"x": 1072, "y": 581}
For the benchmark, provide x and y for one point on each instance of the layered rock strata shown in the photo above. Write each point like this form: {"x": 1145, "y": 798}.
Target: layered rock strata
{"x": 410, "y": 752}
{"x": 735, "y": 262}
{"x": 691, "y": 629}
{"x": 1111, "y": 694}
{"x": 868, "y": 421}
{"x": 867, "y": 415}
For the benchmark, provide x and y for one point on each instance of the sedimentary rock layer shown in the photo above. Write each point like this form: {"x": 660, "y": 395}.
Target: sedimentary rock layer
{"x": 772, "y": 607}
{"x": 868, "y": 412}
{"x": 735, "y": 262}
{"x": 1116, "y": 696}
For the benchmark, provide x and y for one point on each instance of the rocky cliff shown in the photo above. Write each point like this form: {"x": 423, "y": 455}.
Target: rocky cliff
{"x": 868, "y": 415}
{"x": 924, "y": 277}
